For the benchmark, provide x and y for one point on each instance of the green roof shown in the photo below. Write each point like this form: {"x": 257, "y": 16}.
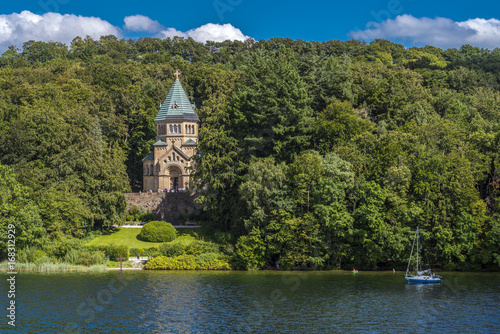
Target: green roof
{"x": 160, "y": 143}
{"x": 150, "y": 156}
{"x": 189, "y": 142}
{"x": 177, "y": 105}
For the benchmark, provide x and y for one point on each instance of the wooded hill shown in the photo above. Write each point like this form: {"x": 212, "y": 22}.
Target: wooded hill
{"x": 314, "y": 154}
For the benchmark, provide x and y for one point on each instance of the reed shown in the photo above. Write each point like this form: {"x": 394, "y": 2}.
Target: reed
{"x": 53, "y": 267}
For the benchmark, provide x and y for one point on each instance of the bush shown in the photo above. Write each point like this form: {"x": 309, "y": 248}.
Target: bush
{"x": 158, "y": 231}
{"x": 30, "y": 255}
{"x": 61, "y": 247}
{"x": 172, "y": 249}
{"x": 151, "y": 251}
{"x": 114, "y": 252}
{"x": 198, "y": 247}
{"x": 91, "y": 258}
{"x": 85, "y": 257}
{"x": 146, "y": 217}
{"x": 134, "y": 210}
{"x": 43, "y": 260}
{"x": 188, "y": 262}
{"x": 188, "y": 247}
{"x": 136, "y": 214}
{"x": 72, "y": 256}
{"x": 222, "y": 237}
{"x": 250, "y": 251}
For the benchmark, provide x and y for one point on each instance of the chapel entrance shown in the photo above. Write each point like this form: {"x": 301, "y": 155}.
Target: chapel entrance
{"x": 175, "y": 178}
{"x": 174, "y": 183}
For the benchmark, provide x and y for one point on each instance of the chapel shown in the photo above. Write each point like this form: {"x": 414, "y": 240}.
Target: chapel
{"x": 168, "y": 166}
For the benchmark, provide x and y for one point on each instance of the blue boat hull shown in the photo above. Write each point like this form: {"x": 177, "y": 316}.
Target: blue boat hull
{"x": 422, "y": 280}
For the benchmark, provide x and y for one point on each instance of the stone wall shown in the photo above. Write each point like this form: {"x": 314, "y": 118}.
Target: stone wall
{"x": 165, "y": 206}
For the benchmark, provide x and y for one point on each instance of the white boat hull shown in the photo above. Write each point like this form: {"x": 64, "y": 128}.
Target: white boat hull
{"x": 422, "y": 280}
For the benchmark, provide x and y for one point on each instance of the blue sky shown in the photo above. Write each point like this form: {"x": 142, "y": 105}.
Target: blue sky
{"x": 411, "y": 22}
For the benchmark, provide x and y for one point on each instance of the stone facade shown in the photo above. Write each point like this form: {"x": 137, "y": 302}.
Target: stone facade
{"x": 169, "y": 166}
{"x": 165, "y": 206}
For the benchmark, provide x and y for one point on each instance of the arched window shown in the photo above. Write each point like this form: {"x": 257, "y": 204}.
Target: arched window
{"x": 177, "y": 158}
{"x": 171, "y": 130}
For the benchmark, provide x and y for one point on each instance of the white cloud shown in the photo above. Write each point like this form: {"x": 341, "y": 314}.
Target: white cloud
{"x": 172, "y": 32}
{"x": 440, "y": 32}
{"x": 208, "y": 32}
{"x": 15, "y": 29}
{"x": 142, "y": 23}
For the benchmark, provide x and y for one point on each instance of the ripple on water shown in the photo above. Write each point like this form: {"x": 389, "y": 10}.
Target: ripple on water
{"x": 254, "y": 302}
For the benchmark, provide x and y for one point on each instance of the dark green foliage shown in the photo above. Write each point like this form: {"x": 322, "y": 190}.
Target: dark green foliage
{"x": 113, "y": 252}
{"x": 84, "y": 257}
{"x": 158, "y": 231}
{"x": 316, "y": 155}
{"x": 116, "y": 251}
{"x": 195, "y": 247}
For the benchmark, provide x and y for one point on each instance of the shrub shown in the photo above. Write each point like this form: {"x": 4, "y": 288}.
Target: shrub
{"x": 43, "y": 260}
{"x": 188, "y": 247}
{"x": 63, "y": 246}
{"x": 152, "y": 251}
{"x": 222, "y": 237}
{"x": 250, "y": 251}
{"x": 134, "y": 210}
{"x": 84, "y": 257}
{"x": 72, "y": 256}
{"x": 146, "y": 217}
{"x": 158, "y": 231}
{"x": 198, "y": 247}
{"x": 30, "y": 255}
{"x": 91, "y": 258}
{"x": 172, "y": 249}
{"x": 114, "y": 252}
{"x": 188, "y": 262}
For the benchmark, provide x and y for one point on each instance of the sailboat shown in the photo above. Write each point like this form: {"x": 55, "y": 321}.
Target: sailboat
{"x": 422, "y": 276}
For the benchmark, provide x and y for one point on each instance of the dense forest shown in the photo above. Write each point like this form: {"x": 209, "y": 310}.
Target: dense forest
{"x": 316, "y": 155}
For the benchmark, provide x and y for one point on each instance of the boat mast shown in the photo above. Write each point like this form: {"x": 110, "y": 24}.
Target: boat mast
{"x": 417, "y": 249}
{"x": 411, "y": 254}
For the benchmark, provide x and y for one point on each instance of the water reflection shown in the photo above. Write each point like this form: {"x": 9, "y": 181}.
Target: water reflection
{"x": 253, "y": 302}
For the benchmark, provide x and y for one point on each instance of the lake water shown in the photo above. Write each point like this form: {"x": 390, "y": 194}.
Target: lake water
{"x": 251, "y": 302}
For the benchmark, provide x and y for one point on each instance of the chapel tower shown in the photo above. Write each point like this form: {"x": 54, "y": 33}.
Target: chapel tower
{"x": 169, "y": 166}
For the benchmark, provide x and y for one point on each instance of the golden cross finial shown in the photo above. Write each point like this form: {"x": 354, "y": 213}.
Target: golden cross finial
{"x": 177, "y": 73}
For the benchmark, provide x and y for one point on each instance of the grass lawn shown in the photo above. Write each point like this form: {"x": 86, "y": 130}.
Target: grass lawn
{"x": 128, "y": 237}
